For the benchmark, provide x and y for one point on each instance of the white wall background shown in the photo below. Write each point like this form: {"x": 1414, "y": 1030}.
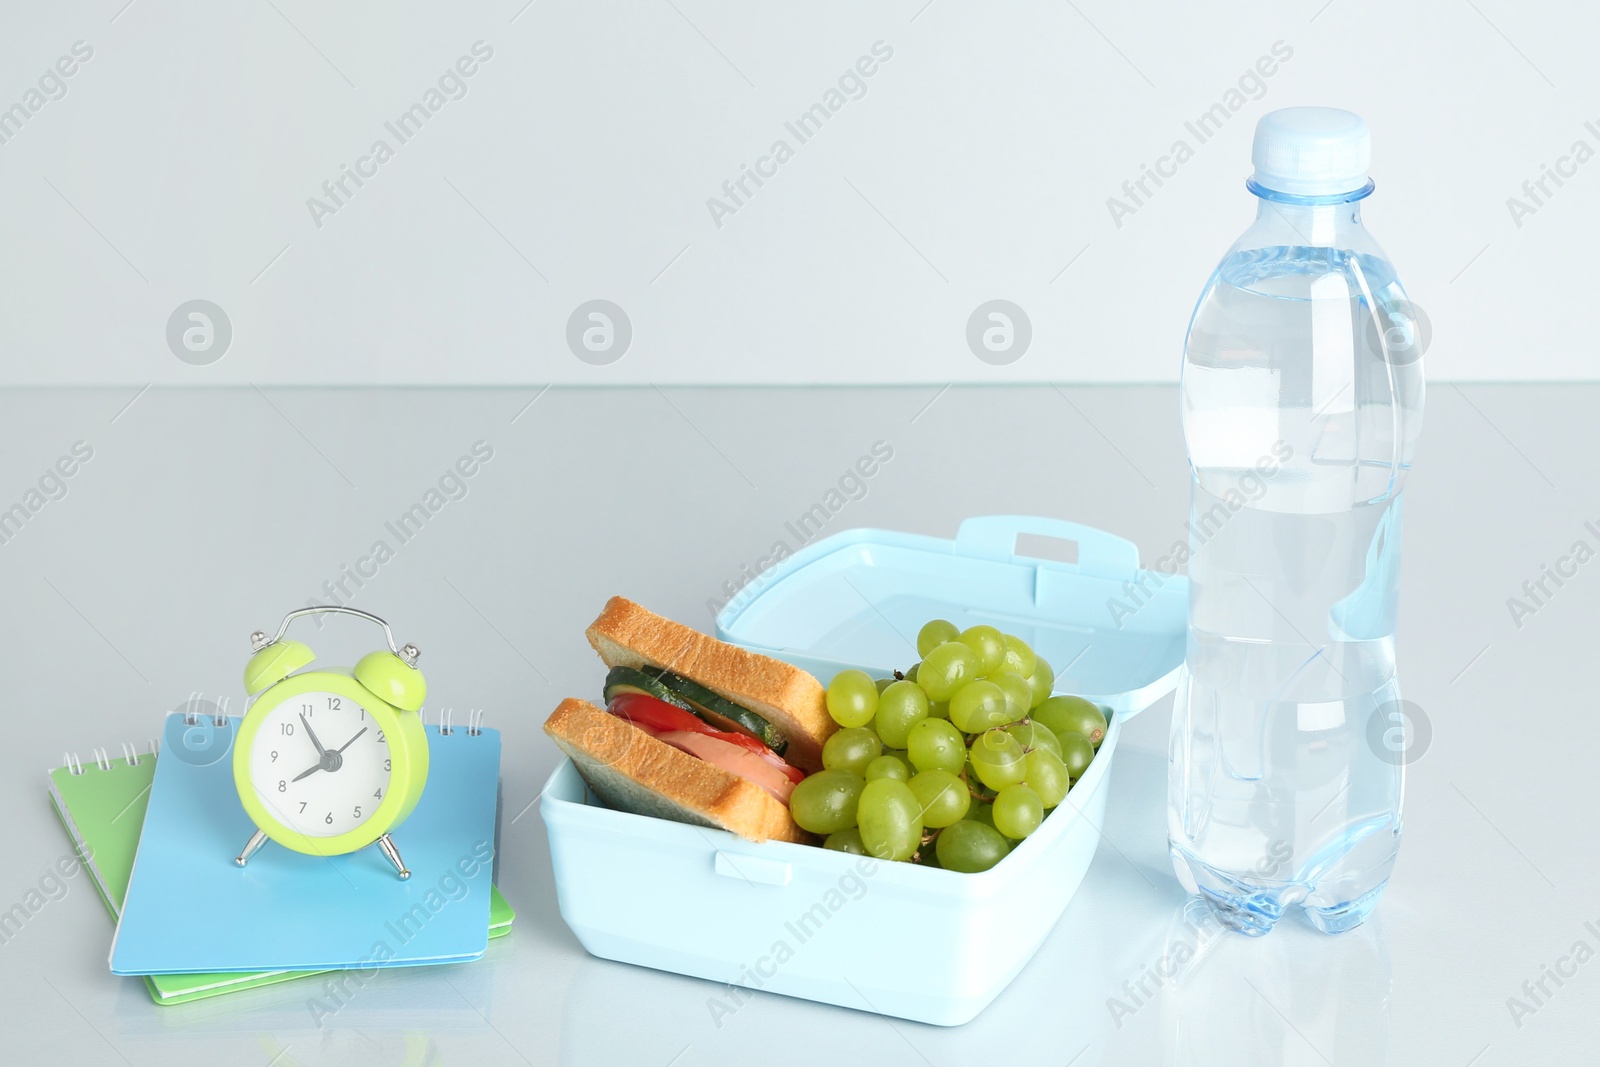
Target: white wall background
{"x": 179, "y": 161}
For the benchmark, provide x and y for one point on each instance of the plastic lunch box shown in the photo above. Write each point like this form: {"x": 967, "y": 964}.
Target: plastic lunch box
{"x": 832, "y": 927}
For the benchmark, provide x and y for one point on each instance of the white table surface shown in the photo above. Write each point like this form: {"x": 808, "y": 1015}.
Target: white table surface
{"x": 203, "y": 515}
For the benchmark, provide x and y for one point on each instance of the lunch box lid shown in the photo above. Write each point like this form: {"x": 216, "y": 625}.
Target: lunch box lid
{"x": 1113, "y": 631}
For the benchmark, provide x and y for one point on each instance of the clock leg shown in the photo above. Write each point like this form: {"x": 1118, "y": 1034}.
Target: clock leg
{"x": 386, "y": 843}
{"x": 257, "y": 839}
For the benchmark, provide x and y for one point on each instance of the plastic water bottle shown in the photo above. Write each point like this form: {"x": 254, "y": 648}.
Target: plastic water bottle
{"x": 1302, "y": 402}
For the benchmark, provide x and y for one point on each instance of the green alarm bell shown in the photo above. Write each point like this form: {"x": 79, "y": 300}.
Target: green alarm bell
{"x": 330, "y": 761}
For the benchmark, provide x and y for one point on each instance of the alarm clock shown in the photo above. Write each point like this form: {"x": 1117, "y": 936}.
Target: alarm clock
{"x": 331, "y": 760}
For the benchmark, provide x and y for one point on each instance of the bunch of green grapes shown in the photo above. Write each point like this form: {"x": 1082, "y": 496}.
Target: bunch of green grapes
{"x": 953, "y": 762}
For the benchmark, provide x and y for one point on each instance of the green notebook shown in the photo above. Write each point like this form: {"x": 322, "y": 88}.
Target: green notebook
{"x": 102, "y": 807}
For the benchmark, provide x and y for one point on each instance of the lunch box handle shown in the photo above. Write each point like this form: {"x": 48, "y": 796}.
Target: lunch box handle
{"x": 995, "y": 537}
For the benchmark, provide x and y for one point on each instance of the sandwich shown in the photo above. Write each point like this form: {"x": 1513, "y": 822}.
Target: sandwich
{"x": 694, "y": 729}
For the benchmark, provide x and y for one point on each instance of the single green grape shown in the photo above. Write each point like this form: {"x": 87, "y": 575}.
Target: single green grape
{"x": 935, "y": 634}
{"x": 900, "y": 707}
{"x": 970, "y": 846}
{"x": 1018, "y": 695}
{"x": 1047, "y": 775}
{"x": 1076, "y": 752}
{"x": 825, "y": 802}
{"x": 846, "y": 841}
{"x": 977, "y": 706}
{"x": 852, "y": 698}
{"x": 1019, "y": 657}
{"x": 1018, "y": 811}
{"x": 888, "y": 766}
{"x": 934, "y": 744}
{"x": 1041, "y": 681}
{"x": 987, "y": 644}
{"x": 998, "y": 759}
{"x": 890, "y": 819}
{"x": 943, "y": 796}
{"x": 1073, "y": 715}
{"x": 943, "y": 670}
{"x": 1029, "y": 733}
{"x": 851, "y": 749}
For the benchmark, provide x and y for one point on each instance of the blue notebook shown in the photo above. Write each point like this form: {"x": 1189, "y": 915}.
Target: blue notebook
{"x": 189, "y": 908}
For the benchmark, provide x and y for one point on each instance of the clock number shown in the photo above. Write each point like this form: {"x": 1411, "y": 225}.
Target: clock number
{"x": 386, "y": 765}
{"x": 380, "y": 737}
{"x": 329, "y": 819}
{"x": 286, "y": 727}
{"x": 333, "y": 704}
{"x": 302, "y": 807}
{"x": 274, "y": 755}
{"x": 378, "y": 793}
{"x": 283, "y": 786}
{"x": 308, "y": 709}
{"x": 358, "y": 811}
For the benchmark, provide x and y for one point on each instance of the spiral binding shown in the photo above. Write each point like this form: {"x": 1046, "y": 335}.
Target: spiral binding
{"x": 447, "y": 721}
{"x": 191, "y": 717}
{"x": 102, "y": 758}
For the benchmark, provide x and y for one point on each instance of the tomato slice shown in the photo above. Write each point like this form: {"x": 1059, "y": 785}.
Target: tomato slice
{"x": 659, "y": 715}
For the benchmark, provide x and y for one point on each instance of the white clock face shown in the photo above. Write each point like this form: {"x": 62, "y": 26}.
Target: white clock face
{"x": 320, "y": 764}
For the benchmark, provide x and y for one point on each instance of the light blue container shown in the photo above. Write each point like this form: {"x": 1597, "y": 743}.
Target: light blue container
{"x": 832, "y": 927}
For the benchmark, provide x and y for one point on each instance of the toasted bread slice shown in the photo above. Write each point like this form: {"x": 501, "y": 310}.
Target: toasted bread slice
{"x": 628, "y": 635}
{"x": 633, "y": 771}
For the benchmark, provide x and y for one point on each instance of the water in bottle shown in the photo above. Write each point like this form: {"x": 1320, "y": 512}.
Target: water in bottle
{"x": 1302, "y": 400}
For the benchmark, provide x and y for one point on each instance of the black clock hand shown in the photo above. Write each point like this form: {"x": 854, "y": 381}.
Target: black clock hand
{"x": 312, "y": 734}
{"x": 352, "y": 741}
{"x": 313, "y": 769}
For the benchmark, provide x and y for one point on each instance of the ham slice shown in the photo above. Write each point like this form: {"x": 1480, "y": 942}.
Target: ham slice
{"x": 729, "y": 757}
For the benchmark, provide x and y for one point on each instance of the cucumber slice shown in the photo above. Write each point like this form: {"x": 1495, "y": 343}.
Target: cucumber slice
{"x": 721, "y": 713}
{"x": 628, "y": 680}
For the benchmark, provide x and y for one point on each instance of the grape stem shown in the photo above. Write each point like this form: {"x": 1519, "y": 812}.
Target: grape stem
{"x": 973, "y": 793}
